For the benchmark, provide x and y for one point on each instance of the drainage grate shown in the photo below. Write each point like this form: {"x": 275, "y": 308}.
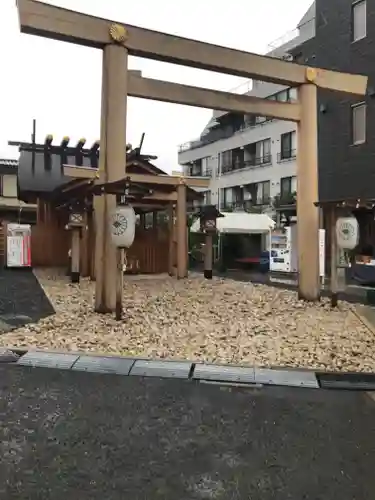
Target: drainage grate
{"x": 349, "y": 381}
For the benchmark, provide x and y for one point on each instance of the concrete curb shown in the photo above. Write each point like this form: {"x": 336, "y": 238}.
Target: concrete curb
{"x": 243, "y": 376}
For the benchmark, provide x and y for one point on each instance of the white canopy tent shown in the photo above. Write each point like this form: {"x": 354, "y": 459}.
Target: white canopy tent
{"x": 240, "y": 223}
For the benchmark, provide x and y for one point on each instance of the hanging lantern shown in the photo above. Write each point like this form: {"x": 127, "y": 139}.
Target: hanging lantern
{"x": 208, "y": 216}
{"x": 347, "y": 233}
{"x": 122, "y": 226}
{"x": 76, "y": 220}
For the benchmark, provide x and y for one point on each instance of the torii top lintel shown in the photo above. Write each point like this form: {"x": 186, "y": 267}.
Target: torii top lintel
{"x": 61, "y": 24}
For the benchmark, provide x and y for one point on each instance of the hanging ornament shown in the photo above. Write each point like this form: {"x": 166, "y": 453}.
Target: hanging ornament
{"x": 122, "y": 226}
{"x": 347, "y": 233}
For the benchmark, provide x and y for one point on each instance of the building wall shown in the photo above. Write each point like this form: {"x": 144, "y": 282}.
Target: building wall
{"x": 345, "y": 170}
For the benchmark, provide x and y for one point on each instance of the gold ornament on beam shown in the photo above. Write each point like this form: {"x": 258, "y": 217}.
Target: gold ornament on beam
{"x": 118, "y": 33}
{"x": 311, "y": 74}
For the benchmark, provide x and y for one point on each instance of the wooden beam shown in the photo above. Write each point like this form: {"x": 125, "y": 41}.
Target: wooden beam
{"x": 45, "y": 20}
{"x": 147, "y": 88}
{"x": 159, "y": 197}
{"x": 80, "y": 172}
{"x": 169, "y": 180}
{"x": 72, "y": 185}
{"x": 163, "y": 180}
{"x": 149, "y": 207}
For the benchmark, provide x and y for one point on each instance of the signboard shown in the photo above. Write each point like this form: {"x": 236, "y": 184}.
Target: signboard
{"x": 18, "y": 245}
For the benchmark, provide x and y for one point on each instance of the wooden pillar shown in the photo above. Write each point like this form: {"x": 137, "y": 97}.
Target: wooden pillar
{"x": 142, "y": 220}
{"x": 84, "y": 248}
{"x": 334, "y": 273}
{"x": 171, "y": 256}
{"x": 181, "y": 232}
{"x": 154, "y": 220}
{"x": 75, "y": 271}
{"x": 119, "y": 282}
{"x": 208, "y": 257}
{"x": 112, "y": 164}
{"x": 91, "y": 244}
{"x": 307, "y": 195}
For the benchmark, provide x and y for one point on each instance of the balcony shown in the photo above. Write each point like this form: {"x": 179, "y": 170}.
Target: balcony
{"x": 288, "y": 155}
{"x": 246, "y": 205}
{"x": 199, "y": 172}
{"x": 225, "y": 134}
{"x": 255, "y": 162}
{"x": 285, "y": 198}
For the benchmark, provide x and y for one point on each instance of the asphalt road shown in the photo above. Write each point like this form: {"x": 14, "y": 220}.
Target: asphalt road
{"x": 22, "y": 299}
{"x": 74, "y": 435}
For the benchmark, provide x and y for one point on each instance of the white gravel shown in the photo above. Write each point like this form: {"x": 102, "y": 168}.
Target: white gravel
{"x": 221, "y": 321}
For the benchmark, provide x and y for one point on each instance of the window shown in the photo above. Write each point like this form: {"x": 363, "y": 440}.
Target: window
{"x": 9, "y": 186}
{"x": 196, "y": 168}
{"x": 266, "y": 150}
{"x": 288, "y": 185}
{"x": 227, "y": 199}
{"x": 359, "y": 24}
{"x": 359, "y": 123}
{"x": 263, "y": 193}
{"x": 226, "y": 158}
{"x": 207, "y": 198}
{"x": 288, "y": 146}
{"x": 263, "y": 151}
{"x": 283, "y": 96}
{"x": 293, "y": 94}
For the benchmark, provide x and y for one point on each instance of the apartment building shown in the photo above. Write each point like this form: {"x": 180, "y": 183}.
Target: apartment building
{"x": 251, "y": 160}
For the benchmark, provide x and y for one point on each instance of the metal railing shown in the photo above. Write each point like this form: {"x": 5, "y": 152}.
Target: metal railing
{"x": 241, "y": 165}
{"x": 245, "y": 205}
{"x": 199, "y": 173}
{"x": 286, "y": 155}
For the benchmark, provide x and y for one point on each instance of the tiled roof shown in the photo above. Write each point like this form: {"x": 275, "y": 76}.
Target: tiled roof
{"x": 8, "y": 163}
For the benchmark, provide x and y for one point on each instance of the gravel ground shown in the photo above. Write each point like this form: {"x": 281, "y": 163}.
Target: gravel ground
{"x": 222, "y": 321}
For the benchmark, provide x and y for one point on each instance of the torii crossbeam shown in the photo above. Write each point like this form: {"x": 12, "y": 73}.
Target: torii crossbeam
{"x": 118, "y": 40}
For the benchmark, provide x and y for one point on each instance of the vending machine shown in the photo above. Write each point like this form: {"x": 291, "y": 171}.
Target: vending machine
{"x": 284, "y": 251}
{"x": 18, "y": 245}
{"x": 281, "y": 252}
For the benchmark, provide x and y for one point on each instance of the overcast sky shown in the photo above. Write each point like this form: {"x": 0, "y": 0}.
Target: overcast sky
{"x": 59, "y": 83}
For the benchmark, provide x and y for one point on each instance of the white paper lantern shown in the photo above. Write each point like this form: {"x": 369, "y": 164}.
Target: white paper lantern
{"x": 122, "y": 226}
{"x": 347, "y": 233}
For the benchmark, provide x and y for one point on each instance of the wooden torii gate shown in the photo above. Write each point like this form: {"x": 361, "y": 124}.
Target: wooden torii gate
{"x": 118, "y": 40}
